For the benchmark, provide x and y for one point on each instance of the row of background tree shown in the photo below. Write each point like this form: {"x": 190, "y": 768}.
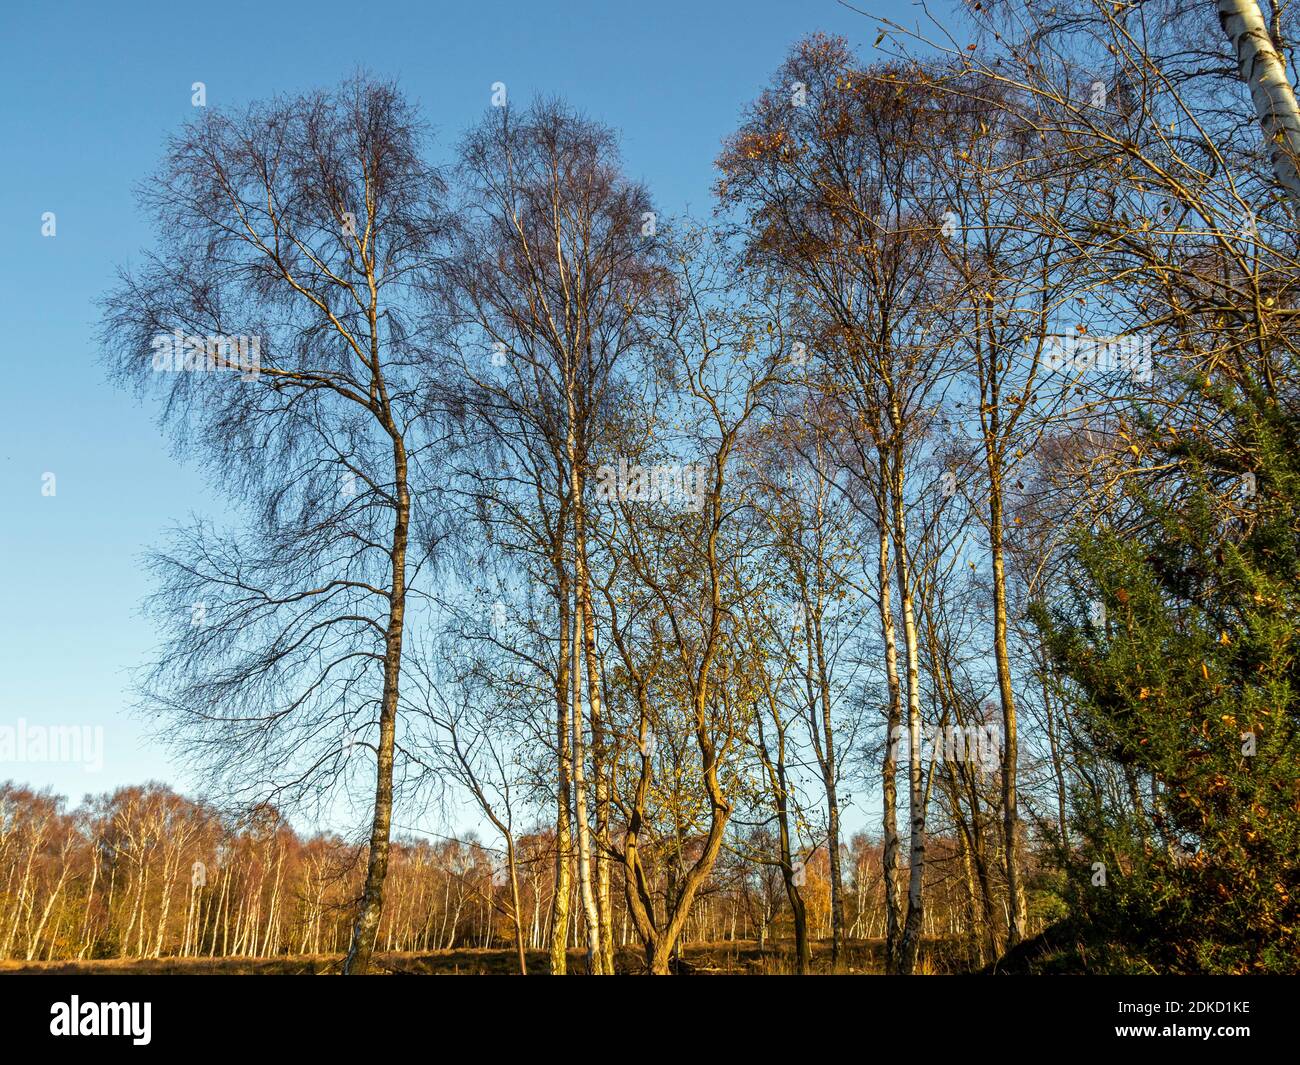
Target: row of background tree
{"x": 145, "y": 873}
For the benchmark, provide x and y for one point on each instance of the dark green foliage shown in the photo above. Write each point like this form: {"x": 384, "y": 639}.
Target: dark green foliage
{"x": 1192, "y": 665}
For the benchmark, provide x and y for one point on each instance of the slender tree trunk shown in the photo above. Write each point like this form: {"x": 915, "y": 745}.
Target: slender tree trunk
{"x": 514, "y": 902}
{"x": 594, "y": 700}
{"x": 18, "y": 905}
{"x": 361, "y": 950}
{"x": 141, "y": 905}
{"x": 563, "y": 834}
{"x": 86, "y": 933}
{"x": 829, "y": 777}
{"x": 33, "y": 944}
{"x": 781, "y": 797}
{"x": 1264, "y": 74}
{"x": 889, "y": 770}
{"x": 594, "y": 958}
{"x": 909, "y": 948}
{"x": 170, "y": 866}
{"x": 798, "y": 912}
{"x": 1010, "y": 813}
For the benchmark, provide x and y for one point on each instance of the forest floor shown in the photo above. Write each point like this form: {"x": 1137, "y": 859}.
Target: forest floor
{"x": 726, "y": 958}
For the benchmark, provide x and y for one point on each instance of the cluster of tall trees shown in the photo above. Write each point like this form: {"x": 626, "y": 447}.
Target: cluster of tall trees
{"x": 143, "y": 872}
{"x": 942, "y": 478}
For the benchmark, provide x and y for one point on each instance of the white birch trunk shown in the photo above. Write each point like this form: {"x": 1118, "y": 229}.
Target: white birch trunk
{"x": 1264, "y": 74}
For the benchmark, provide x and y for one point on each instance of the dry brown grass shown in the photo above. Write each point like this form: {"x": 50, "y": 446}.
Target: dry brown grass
{"x": 727, "y": 958}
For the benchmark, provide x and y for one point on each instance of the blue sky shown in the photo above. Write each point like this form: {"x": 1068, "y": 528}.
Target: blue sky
{"x": 90, "y": 91}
